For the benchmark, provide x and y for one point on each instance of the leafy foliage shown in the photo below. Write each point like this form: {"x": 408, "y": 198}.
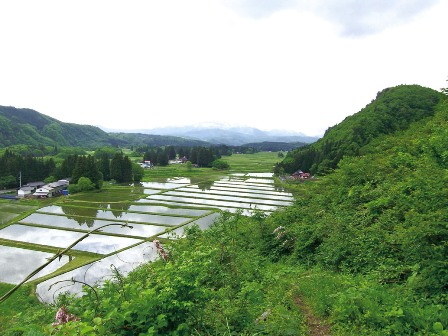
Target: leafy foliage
{"x": 220, "y": 164}
{"x": 393, "y": 109}
{"x": 85, "y": 166}
{"x": 121, "y": 168}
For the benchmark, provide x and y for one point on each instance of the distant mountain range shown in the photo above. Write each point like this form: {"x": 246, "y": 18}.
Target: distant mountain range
{"x": 230, "y": 135}
{"x": 22, "y": 126}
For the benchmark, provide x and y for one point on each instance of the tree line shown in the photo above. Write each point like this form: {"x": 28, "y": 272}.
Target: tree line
{"x": 18, "y": 164}
{"x": 14, "y": 167}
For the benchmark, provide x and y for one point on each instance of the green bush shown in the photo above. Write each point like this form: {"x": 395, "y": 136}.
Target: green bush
{"x": 220, "y": 165}
{"x": 84, "y": 184}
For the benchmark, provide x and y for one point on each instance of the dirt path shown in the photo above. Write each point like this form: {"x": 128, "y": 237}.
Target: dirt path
{"x": 316, "y": 326}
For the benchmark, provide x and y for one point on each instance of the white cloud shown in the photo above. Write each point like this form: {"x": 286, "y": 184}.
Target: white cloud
{"x": 354, "y": 17}
{"x": 146, "y": 64}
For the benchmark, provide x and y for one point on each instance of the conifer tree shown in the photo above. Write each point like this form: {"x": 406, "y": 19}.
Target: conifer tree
{"x": 86, "y": 167}
{"x": 121, "y": 168}
{"x": 104, "y": 166}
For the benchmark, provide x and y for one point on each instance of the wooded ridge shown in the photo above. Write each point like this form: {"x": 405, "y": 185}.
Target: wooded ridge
{"x": 394, "y": 109}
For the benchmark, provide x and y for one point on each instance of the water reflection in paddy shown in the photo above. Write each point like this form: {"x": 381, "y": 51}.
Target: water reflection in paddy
{"x": 88, "y": 215}
{"x": 230, "y": 208}
{"x": 139, "y": 230}
{"x": 147, "y": 191}
{"x": 233, "y": 192}
{"x": 246, "y": 190}
{"x": 161, "y": 185}
{"x": 17, "y": 263}
{"x": 55, "y": 209}
{"x": 243, "y": 185}
{"x": 95, "y": 243}
{"x": 203, "y": 223}
{"x": 208, "y": 202}
{"x": 209, "y": 196}
{"x": 144, "y": 218}
{"x": 167, "y": 210}
{"x": 260, "y": 174}
{"x": 183, "y": 180}
{"x": 97, "y": 272}
{"x": 259, "y": 180}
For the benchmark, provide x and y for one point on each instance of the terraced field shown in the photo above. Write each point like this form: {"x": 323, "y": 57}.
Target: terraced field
{"x": 126, "y": 220}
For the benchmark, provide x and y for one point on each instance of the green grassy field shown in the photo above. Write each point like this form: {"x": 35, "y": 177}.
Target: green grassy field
{"x": 261, "y": 162}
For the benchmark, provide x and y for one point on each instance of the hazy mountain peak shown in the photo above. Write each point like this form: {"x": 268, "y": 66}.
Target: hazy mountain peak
{"x": 228, "y": 134}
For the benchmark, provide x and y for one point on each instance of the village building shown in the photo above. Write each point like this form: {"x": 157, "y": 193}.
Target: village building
{"x": 146, "y": 164}
{"x": 40, "y": 189}
{"x": 29, "y": 188}
{"x": 301, "y": 175}
{"x": 25, "y": 191}
{"x": 52, "y": 189}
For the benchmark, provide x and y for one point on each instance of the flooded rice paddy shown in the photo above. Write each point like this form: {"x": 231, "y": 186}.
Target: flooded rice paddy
{"x": 151, "y": 210}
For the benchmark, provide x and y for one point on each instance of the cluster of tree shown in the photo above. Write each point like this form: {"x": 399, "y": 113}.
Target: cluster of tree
{"x": 105, "y": 165}
{"x": 117, "y": 167}
{"x": 393, "y": 109}
{"x": 270, "y": 146}
{"x": 202, "y": 156}
{"x": 15, "y": 168}
{"x": 107, "y": 162}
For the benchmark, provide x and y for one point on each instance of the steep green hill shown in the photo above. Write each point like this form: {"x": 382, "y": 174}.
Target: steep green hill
{"x": 393, "y": 109}
{"x": 28, "y": 127}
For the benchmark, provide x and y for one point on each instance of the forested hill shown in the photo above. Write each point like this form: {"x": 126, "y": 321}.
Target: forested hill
{"x": 394, "y": 109}
{"x": 28, "y": 127}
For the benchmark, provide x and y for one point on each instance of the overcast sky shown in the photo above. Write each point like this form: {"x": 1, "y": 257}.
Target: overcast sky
{"x": 271, "y": 64}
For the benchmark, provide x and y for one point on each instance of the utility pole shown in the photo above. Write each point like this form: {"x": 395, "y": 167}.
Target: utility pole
{"x": 20, "y": 180}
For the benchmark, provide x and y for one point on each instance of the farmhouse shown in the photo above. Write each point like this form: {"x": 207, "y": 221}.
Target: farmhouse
{"x": 29, "y": 188}
{"x": 51, "y": 189}
{"x": 300, "y": 175}
{"x": 25, "y": 191}
{"x": 146, "y": 164}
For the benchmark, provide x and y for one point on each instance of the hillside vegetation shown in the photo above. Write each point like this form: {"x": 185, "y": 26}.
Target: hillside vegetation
{"x": 29, "y": 127}
{"x": 363, "y": 251}
{"x": 393, "y": 109}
